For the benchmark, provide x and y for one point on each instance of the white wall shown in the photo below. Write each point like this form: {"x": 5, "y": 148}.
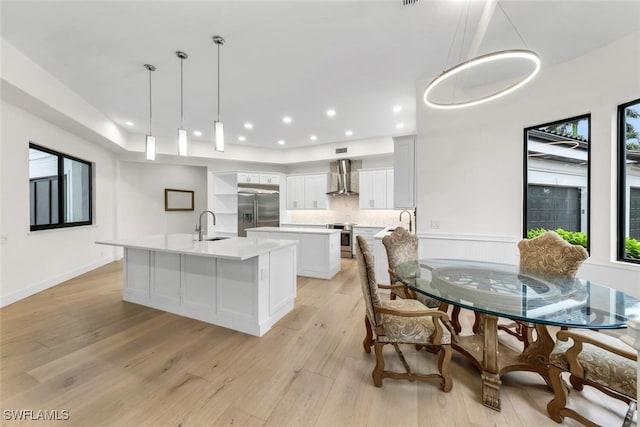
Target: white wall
{"x": 470, "y": 161}
{"x": 33, "y": 261}
{"x": 141, "y": 198}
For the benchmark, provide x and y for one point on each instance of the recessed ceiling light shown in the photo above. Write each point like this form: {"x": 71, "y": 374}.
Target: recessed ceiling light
{"x": 281, "y": 142}
{"x": 400, "y": 125}
{"x": 397, "y": 108}
{"x": 286, "y": 119}
{"x": 241, "y": 138}
{"x": 313, "y": 137}
{"x": 197, "y": 133}
{"x": 128, "y": 123}
{"x": 331, "y": 112}
{"x": 248, "y": 125}
{"x": 348, "y": 133}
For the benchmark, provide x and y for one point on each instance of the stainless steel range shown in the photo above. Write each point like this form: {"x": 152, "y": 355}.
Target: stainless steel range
{"x": 346, "y": 238}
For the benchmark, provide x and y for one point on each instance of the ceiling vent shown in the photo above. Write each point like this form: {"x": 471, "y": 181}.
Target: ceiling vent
{"x": 341, "y": 150}
{"x": 409, "y": 2}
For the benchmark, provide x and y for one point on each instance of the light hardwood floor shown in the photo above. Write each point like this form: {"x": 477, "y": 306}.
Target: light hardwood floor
{"x": 79, "y": 347}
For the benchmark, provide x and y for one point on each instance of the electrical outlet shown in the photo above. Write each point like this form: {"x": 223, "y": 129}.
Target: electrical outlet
{"x": 435, "y": 224}
{"x": 3, "y": 239}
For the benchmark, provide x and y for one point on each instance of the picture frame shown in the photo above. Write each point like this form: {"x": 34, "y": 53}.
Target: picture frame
{"x": 178, "y": 200}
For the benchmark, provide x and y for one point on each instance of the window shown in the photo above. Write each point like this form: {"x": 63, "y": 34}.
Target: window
{"x": 556, "y": 181}
{"x": 629, "y": 182}
{"x": 59, "y": 189}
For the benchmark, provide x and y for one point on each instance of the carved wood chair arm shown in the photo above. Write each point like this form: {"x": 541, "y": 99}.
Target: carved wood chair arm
{"x": 432, "y": 313}
{"x": 579, "y": 339}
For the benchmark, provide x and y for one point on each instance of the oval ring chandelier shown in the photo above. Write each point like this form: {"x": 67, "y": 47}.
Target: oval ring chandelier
{"x": 526, "y": 55}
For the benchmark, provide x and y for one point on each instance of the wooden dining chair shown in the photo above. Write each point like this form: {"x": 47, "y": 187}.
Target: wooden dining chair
{"x": 547, "y": 255}
{"x": 402, "y": 254}
{"x": 400, "y": 321}
{"x": 595, "y": 359}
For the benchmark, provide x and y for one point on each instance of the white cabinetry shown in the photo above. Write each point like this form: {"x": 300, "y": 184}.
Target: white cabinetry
{"x": 245, "y": 295}
{"x": 317, "y": 252}
{"x": 225, "y": 202}
{"x": 382, "y": 262}
{"x": 248, "y": 178}
{"x": 315, "y": 191}
{"x": 307, "y": 191}
{"x": 225, "y": 196}
{"x": 367, "y": 233}
{"x": 404, "y": 165}
{"x": 295, "y": 192}
{"x": 270, "y": 178}
{"x": 376, "y": 189}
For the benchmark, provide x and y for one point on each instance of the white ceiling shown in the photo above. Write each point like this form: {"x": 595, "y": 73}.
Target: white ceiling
{"x": 295, "y": 58}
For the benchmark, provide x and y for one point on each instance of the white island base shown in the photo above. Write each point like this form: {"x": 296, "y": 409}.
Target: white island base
{"x": 247, "y": 294}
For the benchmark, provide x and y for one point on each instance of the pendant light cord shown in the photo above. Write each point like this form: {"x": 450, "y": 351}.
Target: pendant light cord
{"x": 218, "y": 81}
{"x": 150, "y": 111}
{"x": 513, "y": 26}
{"x": 181, "y": 97}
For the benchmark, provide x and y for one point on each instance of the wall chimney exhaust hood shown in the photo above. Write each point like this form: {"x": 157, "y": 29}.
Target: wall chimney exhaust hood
{"x": 341, "y": 182}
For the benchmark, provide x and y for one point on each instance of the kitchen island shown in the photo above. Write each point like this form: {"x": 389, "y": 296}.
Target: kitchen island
{"x": 318, "y": 248}
{"x": 240, "y": 283}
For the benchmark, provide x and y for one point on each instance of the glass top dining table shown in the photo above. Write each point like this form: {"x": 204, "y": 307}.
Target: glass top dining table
{"x": 535, "y": 301}
{"x": 505, "y": 290}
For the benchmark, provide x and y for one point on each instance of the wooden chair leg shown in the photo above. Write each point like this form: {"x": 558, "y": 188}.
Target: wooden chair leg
{"x": 379, "y": 368}
{"x": 443, "y": 368}
{"x": 368, "y": 339}
{"x": 559, "y": 400}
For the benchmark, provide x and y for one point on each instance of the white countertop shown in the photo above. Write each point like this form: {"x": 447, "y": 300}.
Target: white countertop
{"x": 298, "y": 230}
{"x": 238, "y": 248}
{"x": 384, "y": 232}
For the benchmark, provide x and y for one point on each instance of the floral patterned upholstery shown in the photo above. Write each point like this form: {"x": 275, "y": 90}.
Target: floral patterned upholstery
{"x": 551, "y": 254}
{"x": 402, "y": 255}
{"x": 411, "y": 330}
{"x": 600, "y": 366}
{"x": 393, "y": 323}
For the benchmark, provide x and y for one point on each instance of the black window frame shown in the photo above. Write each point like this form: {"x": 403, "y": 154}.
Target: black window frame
{"x": 622, "y": 182}
{"x": 525, "y": 180}
{"x": 61, "y": 194}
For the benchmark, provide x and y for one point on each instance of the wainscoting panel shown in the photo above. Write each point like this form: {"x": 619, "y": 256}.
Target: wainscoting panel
{"x": 473, "y": 247}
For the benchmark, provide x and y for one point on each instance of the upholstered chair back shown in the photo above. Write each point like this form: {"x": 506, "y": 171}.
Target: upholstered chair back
{"x": 368, "y": 280}
{"x": 402, "y": 252}
{"x": 551, "y": 254}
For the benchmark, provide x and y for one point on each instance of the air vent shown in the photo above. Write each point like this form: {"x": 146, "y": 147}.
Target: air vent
{"x": 341, "y": 150}
{"x": 408, "y": 2}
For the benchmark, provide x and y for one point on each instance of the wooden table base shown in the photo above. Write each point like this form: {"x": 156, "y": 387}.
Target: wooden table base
{"x": 493, "y": 359}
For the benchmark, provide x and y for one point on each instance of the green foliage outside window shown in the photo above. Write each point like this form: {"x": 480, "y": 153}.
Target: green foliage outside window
{"x": 632, "y": 246}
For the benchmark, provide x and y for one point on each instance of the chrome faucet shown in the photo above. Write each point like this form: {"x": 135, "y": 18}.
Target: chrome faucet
{"x": 410, "y": 225}
{"x": 199, "y": 226}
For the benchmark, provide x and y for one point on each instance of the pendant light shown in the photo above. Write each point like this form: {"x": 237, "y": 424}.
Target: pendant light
{"x": 218, "y": 128}
{"x": 182, "y": 134}
{"x": 150, "y": 148}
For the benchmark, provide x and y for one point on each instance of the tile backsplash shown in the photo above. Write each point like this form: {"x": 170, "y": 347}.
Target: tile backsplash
{"x": 346, "y": 209}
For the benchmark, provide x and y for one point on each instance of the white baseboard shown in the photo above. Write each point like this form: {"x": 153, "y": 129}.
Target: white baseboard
{"x": 49, "y": 283}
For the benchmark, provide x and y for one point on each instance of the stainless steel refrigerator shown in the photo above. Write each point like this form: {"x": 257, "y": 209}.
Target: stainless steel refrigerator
{"x": 258, "y": 206}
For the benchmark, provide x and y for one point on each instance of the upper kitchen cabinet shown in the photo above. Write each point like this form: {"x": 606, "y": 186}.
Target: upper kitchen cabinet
{"x": 258, "y": 178}
{"x": 315, "y": 191}
{"x": 404, "y": 180}
{"x": 248, "y": 178}
{"x": 270, "y": 178}
{"x": 295, "y": 192}
{"x": 376, "y": 189}
{"x": 307, "y": 191}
